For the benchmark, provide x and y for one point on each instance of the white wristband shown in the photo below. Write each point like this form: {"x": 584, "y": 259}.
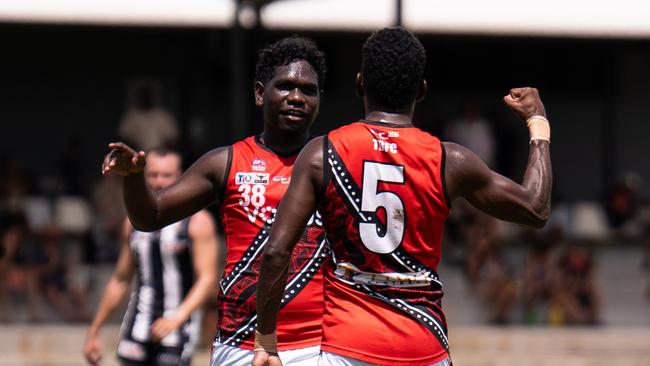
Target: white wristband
{"x": 266, "y": 342}
{"x": 539, "y": 128}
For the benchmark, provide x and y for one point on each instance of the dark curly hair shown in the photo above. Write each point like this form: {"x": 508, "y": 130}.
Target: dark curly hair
{"x": 286, "y": 51}
{"x": 392, "y": 66}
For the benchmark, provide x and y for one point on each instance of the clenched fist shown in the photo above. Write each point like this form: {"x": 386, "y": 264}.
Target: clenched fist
{"x": 525, "y": 103}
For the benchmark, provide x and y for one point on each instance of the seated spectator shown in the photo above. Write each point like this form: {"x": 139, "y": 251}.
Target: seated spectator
{"x": 623, "y": 201}
{"x": 20, "y": 265}
{"x": 576, "y": 298}
{"x": 538, "y": 274}
{"x": 488, "y": 267}
{"x": 69, "y": 301}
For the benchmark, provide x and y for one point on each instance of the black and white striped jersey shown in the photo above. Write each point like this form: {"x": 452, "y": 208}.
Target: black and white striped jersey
{"x": 164, "y": 277}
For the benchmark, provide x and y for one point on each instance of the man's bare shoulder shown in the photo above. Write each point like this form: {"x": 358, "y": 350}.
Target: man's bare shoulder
{"x": 464, "y": 170}
{"x": 213, "y": 163}
{"x": 216, "y": 155}
{"x": 313, "y": 153}
{"x": 457, "y": 153}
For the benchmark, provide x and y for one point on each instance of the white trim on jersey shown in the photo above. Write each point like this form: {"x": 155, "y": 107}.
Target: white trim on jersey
{"x": 338, "y": 179}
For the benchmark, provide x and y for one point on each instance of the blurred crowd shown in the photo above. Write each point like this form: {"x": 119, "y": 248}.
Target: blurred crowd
{"x": 59, "y": 235}
{"x": 546, "y": 276}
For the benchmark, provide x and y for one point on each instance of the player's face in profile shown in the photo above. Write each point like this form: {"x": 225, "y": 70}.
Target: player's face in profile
{"x": 291, "y": 98}
{"x": 161, "y": 171}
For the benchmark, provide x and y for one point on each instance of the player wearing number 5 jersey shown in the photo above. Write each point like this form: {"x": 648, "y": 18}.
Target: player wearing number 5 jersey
{"x": 384, "y": 189}
{"x": 247, "y": 181}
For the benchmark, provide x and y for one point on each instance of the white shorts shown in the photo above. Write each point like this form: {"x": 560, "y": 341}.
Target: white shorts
{"x": 332, "y": 359}
{"x": 223, "y": 355}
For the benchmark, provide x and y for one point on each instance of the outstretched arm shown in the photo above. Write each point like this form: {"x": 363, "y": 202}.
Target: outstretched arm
{"x": 197, "y": 188}
{"x": 203, "y": 234}
{"x": 528, "y": 203}
{"x": 113, "y": 295}
{"x": 297, "y": 205}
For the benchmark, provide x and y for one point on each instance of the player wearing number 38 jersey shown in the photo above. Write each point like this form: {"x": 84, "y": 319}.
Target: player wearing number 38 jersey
{"x": 246, "y": 181}
{"x": 384, "y": 189}
{"x": 256, "y": 182}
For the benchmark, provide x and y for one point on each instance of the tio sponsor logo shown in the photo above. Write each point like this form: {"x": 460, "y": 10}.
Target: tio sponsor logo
{"x": 251, "y": 178}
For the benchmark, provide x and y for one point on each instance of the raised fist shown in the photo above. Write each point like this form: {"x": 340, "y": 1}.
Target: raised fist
{"x": 525, "y": 102}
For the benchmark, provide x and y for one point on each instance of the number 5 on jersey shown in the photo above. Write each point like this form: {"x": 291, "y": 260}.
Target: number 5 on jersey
{"x": 371, "y": 201}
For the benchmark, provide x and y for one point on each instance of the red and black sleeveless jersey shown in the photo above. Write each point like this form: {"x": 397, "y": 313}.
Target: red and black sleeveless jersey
{"x": 257, "y": 180}
{"x": 383, "y": 211}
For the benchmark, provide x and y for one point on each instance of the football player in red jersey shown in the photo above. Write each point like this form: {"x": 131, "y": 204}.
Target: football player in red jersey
{"x": 247, "y": 181}
{"x": 384, "y": 189}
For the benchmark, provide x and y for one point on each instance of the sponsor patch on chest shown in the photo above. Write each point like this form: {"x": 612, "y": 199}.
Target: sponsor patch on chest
{"x": 281, "y": 179}
{"x": 251, "y": 178}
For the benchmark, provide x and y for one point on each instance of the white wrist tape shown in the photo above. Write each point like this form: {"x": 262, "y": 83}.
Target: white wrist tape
{"x": 266, "y": 342}
{"x": 539, "y": 128}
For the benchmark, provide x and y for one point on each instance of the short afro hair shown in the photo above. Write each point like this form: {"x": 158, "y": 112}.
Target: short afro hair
{"x": 392, "y": 66}
{"x": 286, "y": 51}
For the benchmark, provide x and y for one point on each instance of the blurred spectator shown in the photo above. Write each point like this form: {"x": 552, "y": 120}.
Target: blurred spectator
{"x": 22, "y": 261}
{"x": 541, "y": 262}
{"x": 576, "y": 298}
{"x": 15, "y": 183}
{"x": 12, "y": 231}
{"x": 623, "y": 200}
{"x": 498, "y": 284}
{"x": 488, "y": 267}
{"x": 109, "y": 216}
{"x": 474, "y": 132}
{"x": 538, "y": 275}
{"x": 146, "y": 124}
{"x": 53, "y": 273}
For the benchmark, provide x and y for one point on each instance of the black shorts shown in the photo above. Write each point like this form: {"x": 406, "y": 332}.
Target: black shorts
{"x": 134, "y": 353}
